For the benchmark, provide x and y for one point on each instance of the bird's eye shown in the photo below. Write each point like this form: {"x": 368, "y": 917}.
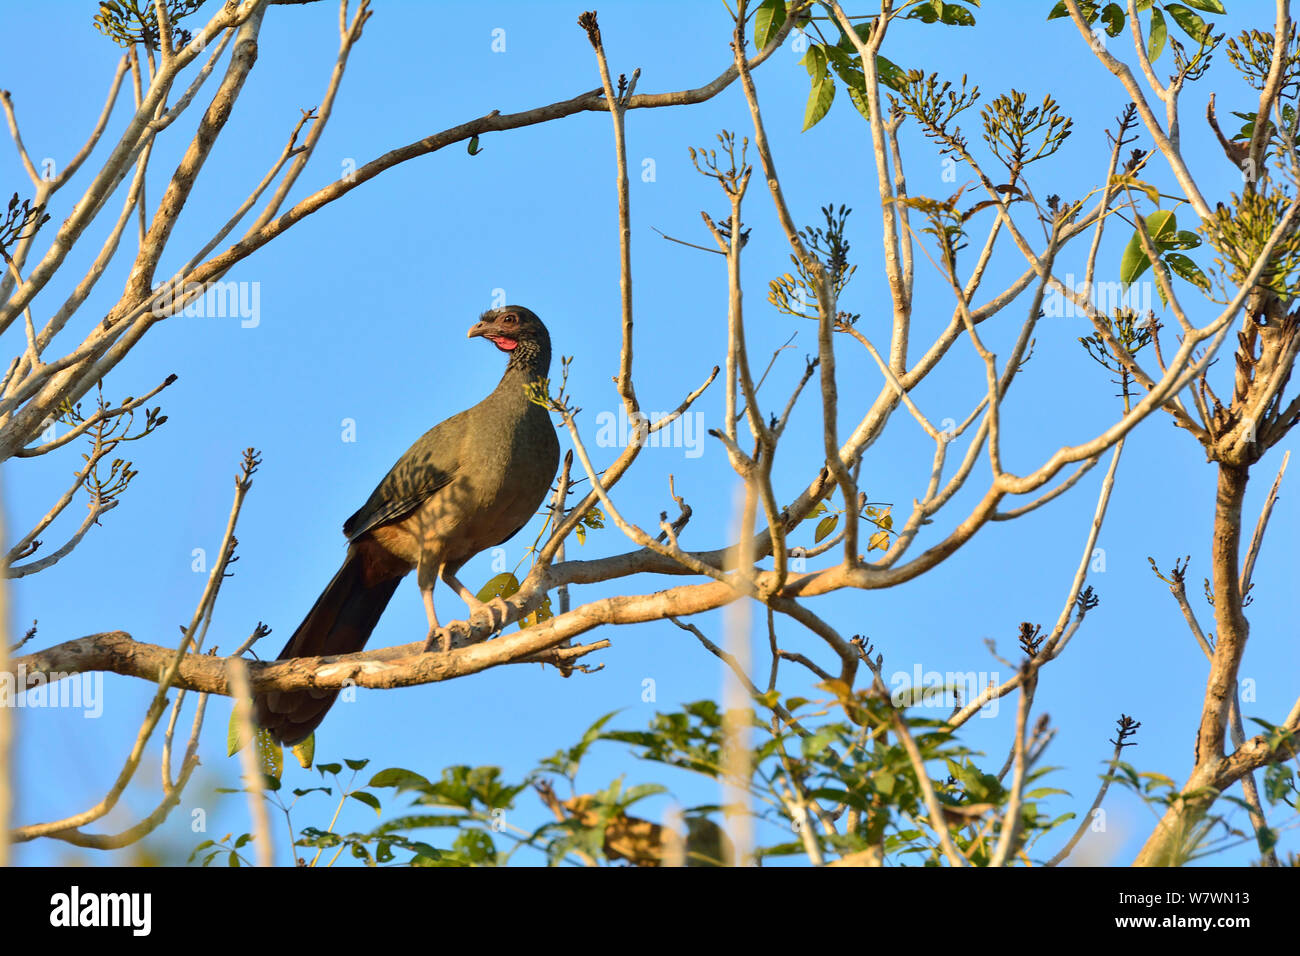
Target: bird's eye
{"x": 509, "y": 318}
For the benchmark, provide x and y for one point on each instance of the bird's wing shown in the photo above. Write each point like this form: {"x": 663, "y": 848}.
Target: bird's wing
{"x": 428, "y": 465}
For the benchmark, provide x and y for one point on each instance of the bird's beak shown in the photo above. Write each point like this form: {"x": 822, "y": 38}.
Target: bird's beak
{"x": 490, "y": 332}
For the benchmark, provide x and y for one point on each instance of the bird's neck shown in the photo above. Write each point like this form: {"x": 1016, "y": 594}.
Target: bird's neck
{"x": 529, "y": 362}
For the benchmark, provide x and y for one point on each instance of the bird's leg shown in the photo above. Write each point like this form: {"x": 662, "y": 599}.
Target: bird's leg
{"x": 438, "y": 637}
{"x": 497, "y": 610}
{"x": 427, "y": 577}
{"x": 428, "y": 609}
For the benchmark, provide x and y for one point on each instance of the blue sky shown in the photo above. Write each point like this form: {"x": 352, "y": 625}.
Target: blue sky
{"x": 363, "y": 313}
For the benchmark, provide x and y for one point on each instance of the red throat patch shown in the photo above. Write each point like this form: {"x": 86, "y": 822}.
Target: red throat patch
{"x": 503, "y": 343}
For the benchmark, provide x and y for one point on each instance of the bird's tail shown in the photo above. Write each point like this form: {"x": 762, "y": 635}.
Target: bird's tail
{"x": 339, "y": 622}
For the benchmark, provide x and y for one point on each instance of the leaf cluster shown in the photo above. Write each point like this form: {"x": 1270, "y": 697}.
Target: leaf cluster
{"x": 1238, "y": 232}
{"x": 1009, "y": 125}
{"x": 1114, "y": 15}
{"x": 21, "y": 219}
{"x": 795, "y": 294}
{"x": 128, "y": 22}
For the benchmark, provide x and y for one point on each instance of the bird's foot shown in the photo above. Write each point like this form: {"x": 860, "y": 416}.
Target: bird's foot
{"x": 439, "y": 639}
{"x": 496, "y": 611}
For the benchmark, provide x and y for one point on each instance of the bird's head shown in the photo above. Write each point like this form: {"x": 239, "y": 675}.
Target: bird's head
{"x": 507, "y": 327}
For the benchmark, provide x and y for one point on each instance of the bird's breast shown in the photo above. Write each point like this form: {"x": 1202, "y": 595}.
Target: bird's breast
{"x": 502, "y": 482}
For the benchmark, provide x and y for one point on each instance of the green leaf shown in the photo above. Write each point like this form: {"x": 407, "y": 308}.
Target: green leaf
{"x": 319, "y": 839}
{"x": 956, "y": 16}
{"x": 369, "y": 799}
{"x": 855, "y": 82}
{"x": 233, "y": 742}
{"x": 819, "y": 741}
{"x": 640, "y": 792}
{"x": 936, "y": 11}
{"x": 859, "y": 101}
{"x": 863, "y": 30}
{"x": 1113, "y": 17}
{"x": 473, "y": 146}
{"x": 420, "y": 821}
{"x": 1160, "y": 289}
{"x": 1267, "y": 839}
{"x": 769, "y": 699}
{"x": 476, "y": 845}
{"x": 1187, "y": 269}
{"x": 1086, "y": 7}
{"x": 1277, "y": 785}
{"x": 1128, "y": 180}
{"x": 1209, "y": 6}
{"x": 1189, "y": 22}
{"x": 306, "y": 751}
{"x": 399, "y": 778}
{"x": 926, "y": 12}
{"x": 820, "y": 98}
{"x": 1248, "y": 127}
{"x": 1159, "y": 33}
{"x": 836, "y": 795}
{"x": 815, "y": 62}
{"x": 1157, "y": 780}
{"x": 544, "y": 612}
{"x": 767, "y": 21}
{"x": 355, "y": 764}
{"x": 270, "y": 755}
{"x": 424, "y": 849}
{"x": 1162, "y": 226}
{"x": 845, "y": 65}
{"x": 825, "y": 527}
{"x": 890, "y": 73}
{"x": 503, "y": 585}
{"x": 950, "y": 13}
{"x": 1040, "y": 792}
{"x": 1134, "y": 262}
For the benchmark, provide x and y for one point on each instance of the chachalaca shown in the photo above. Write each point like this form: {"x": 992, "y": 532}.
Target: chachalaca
{"x": 469, "y": 483}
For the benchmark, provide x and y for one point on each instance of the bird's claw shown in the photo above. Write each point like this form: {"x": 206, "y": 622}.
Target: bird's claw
{"x": 439, "y": 639}
{"x": 497, "y": 611}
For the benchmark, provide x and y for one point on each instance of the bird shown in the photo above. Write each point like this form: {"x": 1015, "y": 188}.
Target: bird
{"x": 468, "y": 484}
